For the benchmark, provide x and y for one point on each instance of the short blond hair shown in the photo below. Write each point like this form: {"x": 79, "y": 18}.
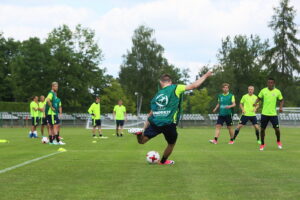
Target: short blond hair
{"x": 225, "y": 84}
{"x": 54, "y": 83}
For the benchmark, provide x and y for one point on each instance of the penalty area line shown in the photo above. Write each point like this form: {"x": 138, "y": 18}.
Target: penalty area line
{"x": 27, "y": 162}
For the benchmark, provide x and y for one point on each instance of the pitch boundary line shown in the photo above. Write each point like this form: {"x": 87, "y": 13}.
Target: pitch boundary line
{"x": 27, "y": 162}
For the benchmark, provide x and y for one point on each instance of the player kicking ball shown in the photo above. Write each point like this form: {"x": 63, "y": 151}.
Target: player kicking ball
{"x": 248, "y": 113}
{"x": 164, "y": 114}
{"x": 226, "y": 102}
{"x": 270, "y": 95}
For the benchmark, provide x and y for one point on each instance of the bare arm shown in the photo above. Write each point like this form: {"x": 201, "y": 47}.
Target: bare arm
{"x": 49, "y": 104}
{"x": 281, "y": 105}
{"x": 242, "y": 108}
{"x": 216, "y": 108}
{"x": 231, "y": 106}
{"x": 147, "y": 123}
{"x": 257, "y": 101}
{"x": 198, "y": 82}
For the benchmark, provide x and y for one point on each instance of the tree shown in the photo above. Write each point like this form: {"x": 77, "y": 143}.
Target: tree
{"x": 197, "y": 102}
{"x": 143, "y": 65}
{"x": 283, "y": 58}
{"x": 110, "y": 96}
{"x": 240, "y": 65}
{"x": 9, "y": 48}
{"x": 75, "y": 62}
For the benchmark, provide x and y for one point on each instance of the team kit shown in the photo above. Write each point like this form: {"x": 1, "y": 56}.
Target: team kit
{"x": 164, "y": 115}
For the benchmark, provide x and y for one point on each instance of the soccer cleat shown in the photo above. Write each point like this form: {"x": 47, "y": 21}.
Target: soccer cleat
{"x": 136, "y": 131}
{"x": 231, "y": 142}
{"x": 213, "y": 141}
{"x": 168, "y": 162}
{"x": 279, "y": 145}
{"x": 258, "y": 142}
{"x": 61, "y": 143}
{"x": 262, "y": 147}
{"x": 55, "y": 143}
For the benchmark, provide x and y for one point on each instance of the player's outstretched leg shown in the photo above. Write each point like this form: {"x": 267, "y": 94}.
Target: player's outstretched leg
{"x": 257, "y": 133}
{"x": 237, "y": 130}
{"x": 262, "y": 139}
{"x": 217, "y": 134}
{"x": 230, "y": 130}
{"x": 277, "y": 132}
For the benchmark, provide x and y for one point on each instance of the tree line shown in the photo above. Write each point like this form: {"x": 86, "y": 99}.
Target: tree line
{"x": 73, "y": 58}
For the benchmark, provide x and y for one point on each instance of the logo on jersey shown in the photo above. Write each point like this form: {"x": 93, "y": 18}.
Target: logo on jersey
{"x": 162, "y": 100}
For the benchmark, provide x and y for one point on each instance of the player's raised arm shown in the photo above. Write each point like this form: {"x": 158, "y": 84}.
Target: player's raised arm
{"x": 198, "y": 82}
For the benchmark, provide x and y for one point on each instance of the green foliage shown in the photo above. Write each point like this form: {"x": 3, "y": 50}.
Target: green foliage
{"x": 111, "y": 94}
{"x": 197, "y": 102}
{"x": 283, "y": 57}
{"x": 143, "y": 65}
{"x": 14, "y": 107}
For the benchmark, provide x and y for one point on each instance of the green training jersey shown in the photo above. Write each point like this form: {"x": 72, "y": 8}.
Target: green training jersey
{"x": 225, "y": 100}
{"x": 270, "y": 98}
{"x": 96, "y": 110}
{"x": 34, "y": 112}
{"x": 42, "y": 106}
{"x": 166, "y": 105}
{"x": 52, "y": 97}
{"x": 57, "y": 105}
{"x": 120, "y": 112}
{"x": 248, "y": 101}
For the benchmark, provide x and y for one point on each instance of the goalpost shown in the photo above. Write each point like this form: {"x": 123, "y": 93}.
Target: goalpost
{"x": 111, "y": 124}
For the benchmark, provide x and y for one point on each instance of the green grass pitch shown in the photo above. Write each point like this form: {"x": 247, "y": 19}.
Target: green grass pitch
{"x": 116, "y": 168}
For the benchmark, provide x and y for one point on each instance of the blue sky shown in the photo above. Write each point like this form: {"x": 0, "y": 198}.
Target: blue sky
{"x": 190, "y": 30}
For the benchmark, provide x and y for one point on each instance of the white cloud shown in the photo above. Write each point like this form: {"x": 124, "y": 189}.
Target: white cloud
{"x": 190, "y": 30}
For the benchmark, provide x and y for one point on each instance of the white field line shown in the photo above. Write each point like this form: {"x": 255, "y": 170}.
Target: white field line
{"x": 27, "y": 162}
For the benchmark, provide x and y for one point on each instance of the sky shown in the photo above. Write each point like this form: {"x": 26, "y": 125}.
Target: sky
{"x": 190, "y": 30}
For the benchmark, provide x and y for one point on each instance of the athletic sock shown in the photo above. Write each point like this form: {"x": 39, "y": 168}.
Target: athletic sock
{"x": 163, "y": 160}
{"x": 58, "y": 133}
{"x": 50, "y": 139}
{"x": 94, "y": 135}
{"x": 100, "y": 135}
{"x": 57, "y": 138}
{"x": 236, "y": 132}
{"x": 216, "y": 138}
{"x": 257, "y": 134}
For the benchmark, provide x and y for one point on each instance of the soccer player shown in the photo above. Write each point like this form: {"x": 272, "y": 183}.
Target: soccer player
{"x": 119, "y": 114}
{"x": 95, "y": 111}
{"x": 34, "y": 112}
{"x": 52, "y": 118}
{"x": 42, "y": 116}
{"x": 226, "y": 102}
{"x": 165, "y": 113}
{"x": 59, "y": 115}
{"x": 270, "y": 95}
{"x": 248, "y": 113}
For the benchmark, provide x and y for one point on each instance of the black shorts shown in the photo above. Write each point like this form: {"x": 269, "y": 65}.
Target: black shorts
{"x": 52, "y": 119}
{"x": 96, "y": 122}
{"x": 43, "y": 121}
{"x": 120, "y": 122}
{"x": 244, "y": 119}
{"x": 265, "y": 120}
{"x": 227, "y": 119}
{"x": 34, "y": 121}
{"x": 169, "y": 131}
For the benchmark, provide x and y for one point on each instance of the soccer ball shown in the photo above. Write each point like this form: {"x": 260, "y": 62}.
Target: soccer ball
{"x": 152, "y": 157}
{"x": 45, "y": 140}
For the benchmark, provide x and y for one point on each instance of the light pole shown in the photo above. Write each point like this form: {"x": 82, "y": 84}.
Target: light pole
{"x": 137, "y": 103}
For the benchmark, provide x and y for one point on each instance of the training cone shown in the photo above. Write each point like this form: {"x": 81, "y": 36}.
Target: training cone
{"x": 4, "y": 141}
{"x": 94, "y": 141}
{"x": 62, "y": 150}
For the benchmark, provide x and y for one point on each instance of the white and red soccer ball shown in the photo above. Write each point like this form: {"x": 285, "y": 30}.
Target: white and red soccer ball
{"x": 45, "y": 140}
{"x": 153, "y": 157}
